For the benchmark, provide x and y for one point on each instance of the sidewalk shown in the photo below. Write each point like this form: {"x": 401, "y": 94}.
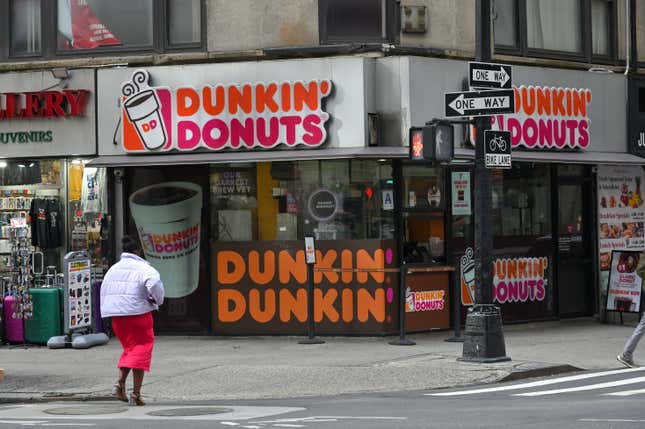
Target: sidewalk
{"x": 214, "y": 368}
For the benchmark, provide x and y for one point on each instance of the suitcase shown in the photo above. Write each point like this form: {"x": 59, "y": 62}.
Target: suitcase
{"x": 46, "y": 319}
{"x": 13, "y": 327}
{"x": 2, "y": 319}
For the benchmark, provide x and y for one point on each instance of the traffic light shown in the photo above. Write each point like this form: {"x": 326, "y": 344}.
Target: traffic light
{"x": 434, "y": 142}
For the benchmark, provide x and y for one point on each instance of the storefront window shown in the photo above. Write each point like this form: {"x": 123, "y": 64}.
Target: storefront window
{"x": 88, "y": 212}
{"x": 424, "y": 215}
{"x": 423, "y": 187}
{"x": 521, "y": 201}
{"x": 329, "y": 200}
{"x": 31, "y": 218}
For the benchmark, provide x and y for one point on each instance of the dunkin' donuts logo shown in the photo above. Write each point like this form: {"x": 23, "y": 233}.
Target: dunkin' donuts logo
{"x": 515, "y": 279}
{"x": 547, "y": 118}
{"x": 173, "y": 243}
{"x": 217, "y": 117}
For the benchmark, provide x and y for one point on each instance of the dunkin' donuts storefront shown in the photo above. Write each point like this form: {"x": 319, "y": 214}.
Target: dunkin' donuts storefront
{"x": 222, "y": 170}
{"x": 573, "y": 193}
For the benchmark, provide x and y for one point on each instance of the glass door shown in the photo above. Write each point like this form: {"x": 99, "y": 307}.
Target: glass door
{"x": 575, "y": 273}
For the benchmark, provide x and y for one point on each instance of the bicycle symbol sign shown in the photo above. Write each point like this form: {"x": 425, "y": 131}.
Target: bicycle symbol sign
{"x": 497, "y": 149}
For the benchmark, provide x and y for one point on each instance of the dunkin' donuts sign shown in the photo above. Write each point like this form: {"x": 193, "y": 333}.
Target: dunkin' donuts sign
{"x": 217, "y": 117}
{"x": 548, "y": 118}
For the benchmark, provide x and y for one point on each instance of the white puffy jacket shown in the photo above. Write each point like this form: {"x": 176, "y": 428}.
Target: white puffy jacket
{"x": 130, "y": 287}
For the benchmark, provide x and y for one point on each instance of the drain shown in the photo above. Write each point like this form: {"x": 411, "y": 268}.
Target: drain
{"x": 86, "y": 410}
{"x": 189, "y": 412}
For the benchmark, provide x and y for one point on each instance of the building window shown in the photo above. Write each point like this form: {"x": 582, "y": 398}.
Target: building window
{"x": 571, "y": 29}
{"x": 184, "y": 22}
{"x": 366, "y": 21}
{"x": 554, "y": 25}
{"x": 93, "y": 24}
{"x": 25, "y": 27}
{"x": 59, "y": 28}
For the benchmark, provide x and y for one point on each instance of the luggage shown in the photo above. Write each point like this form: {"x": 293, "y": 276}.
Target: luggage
{"x": 13, "y": 327}
{"x": 1, "y": 318}
{"x": 46, "y": 319}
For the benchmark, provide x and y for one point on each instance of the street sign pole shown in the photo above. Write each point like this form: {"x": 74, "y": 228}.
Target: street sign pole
{"x": 483, "y": 337}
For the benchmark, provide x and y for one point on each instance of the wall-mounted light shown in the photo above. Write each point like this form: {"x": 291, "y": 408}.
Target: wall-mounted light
{"x": 3, "y": 164}
{"x": 60, "y": 73}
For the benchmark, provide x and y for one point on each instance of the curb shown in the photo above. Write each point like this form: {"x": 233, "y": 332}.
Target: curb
{"x": 546, "y": 371}
{"x": 56, "y": 398}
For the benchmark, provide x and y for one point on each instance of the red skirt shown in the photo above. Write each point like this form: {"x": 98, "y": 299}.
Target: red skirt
{"x": 137, "y": 338}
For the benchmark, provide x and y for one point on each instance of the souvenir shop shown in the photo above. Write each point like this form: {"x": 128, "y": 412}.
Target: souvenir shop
{"x": 50, "y": 201}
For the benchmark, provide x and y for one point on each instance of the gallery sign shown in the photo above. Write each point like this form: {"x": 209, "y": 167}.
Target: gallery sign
{"x": 548, "y": 118}
{"x": 43, "y": 104}
{"x": 217, "y": 117}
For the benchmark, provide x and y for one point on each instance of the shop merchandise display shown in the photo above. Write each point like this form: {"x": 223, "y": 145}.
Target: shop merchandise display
{"x": 46, "y": 223}
{"x": 17, "y": 299}
{"x": 94, "y": 191}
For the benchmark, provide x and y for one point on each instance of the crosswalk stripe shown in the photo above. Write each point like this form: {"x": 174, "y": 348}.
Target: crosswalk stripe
{"x": 626, "y": 393}
{"x": 539, "y": 383}
{"x": 585, "y": 388}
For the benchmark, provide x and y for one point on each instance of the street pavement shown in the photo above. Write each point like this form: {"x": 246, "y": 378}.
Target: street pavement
{"x": 587, "y": 399}
{"x": 249, "y": 368}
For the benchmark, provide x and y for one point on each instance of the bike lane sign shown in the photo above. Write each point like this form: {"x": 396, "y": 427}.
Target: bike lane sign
{"x": 497, "y": 149}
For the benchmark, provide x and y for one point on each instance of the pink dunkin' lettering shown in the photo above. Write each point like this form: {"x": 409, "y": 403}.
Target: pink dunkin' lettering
{"x": 548, "y": 118}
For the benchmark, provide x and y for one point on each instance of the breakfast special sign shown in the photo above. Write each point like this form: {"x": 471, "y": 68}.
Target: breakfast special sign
{"x": 217, "y": 117}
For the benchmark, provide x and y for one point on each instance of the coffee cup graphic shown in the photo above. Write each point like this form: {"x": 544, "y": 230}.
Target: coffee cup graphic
{"x": 168, "y": 220}
{"x": 143, "y": 111}
{"x": 468, "y": 272}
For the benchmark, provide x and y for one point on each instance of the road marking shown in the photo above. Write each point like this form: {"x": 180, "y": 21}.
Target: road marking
{"x": 626, "y": 393}
{"x": 68, "y": 424}
{"x": 287, "y": 425}
{"x": 585, "y": 388}
{"x": 36, "y": 413}
{"x": 611, "y": 421}
{"x": 539, "y": 383}
{"x": 23, "y": 422}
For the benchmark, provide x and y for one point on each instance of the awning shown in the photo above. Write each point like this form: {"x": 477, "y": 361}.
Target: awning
{"x": 250, "y": 156}
{"x": 387, "y": 152}
{"x": 602, "y": 158}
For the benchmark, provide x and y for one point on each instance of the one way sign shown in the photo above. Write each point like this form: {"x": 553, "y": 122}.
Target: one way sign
{"x": 476, "y": 103}
{"x": 490, "y": 76}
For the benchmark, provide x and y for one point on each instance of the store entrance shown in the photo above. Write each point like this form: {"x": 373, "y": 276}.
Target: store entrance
{"x": 574, "y": 262}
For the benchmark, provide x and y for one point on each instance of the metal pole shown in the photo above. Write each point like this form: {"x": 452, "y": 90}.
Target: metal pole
{"x": 484, "y": 341}
{"x": 311, "y": 327}
{"x": 402, "y": 341}
{"x": 456, "y": 310}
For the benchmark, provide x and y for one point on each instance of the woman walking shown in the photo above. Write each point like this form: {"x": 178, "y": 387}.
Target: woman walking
{"x": 130, "y": 292}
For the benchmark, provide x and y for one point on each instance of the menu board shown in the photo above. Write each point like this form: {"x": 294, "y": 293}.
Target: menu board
{"x": 78, "y": 294}
{"x": 621, "y": 212}
{"x": 624, "y": 292}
